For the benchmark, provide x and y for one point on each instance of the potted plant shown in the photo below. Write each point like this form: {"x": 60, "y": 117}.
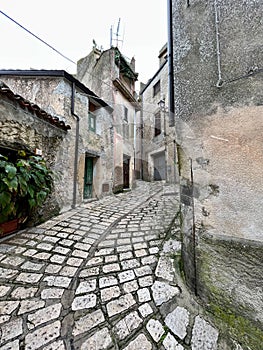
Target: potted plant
{"x": 25, "y": 183}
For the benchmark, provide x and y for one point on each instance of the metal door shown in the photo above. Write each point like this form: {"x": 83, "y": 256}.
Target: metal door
{"x": 126, "y": 173}
{"x": 159, "y": 167}
{"x": 88, "y": 177}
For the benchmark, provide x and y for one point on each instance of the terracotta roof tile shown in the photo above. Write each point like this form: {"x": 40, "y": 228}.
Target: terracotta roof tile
{"x": 33, "y": 108}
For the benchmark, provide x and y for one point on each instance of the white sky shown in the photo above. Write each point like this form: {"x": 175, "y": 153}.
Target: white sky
{"x": 71, "y": 26}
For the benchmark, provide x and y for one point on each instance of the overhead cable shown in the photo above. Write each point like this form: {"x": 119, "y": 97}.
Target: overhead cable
{"x": 37, "y": 37}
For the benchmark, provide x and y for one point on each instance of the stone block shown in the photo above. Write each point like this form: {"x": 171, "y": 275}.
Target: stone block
{"x": 204, "y": 336}
{"x": 177, "y": 321}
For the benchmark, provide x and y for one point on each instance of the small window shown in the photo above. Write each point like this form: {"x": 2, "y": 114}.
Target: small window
{"x": 157, "y": 124}
{"x": 92, "y": 122}
{"x": 125, "y": 114}
{"x": 156, "y": 88}
{"x": 125, "y": 131}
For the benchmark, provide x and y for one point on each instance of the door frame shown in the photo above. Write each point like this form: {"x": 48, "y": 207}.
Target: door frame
{"x": 88, "y": 177}
{"x": 162, "y": 174}
{"x": 126, "y": 171}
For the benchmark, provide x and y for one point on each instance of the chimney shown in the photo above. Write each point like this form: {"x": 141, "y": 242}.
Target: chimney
{"x": 132, "y": 64}
{"x": 162, "y": 55}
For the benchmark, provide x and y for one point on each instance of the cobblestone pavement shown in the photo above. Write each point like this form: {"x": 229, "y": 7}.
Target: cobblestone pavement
{"x": 99, "y": 277}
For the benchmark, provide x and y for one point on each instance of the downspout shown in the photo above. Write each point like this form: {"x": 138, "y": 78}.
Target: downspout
{"x": 134, "y": 146}
{"x": 141, "y": 138}
{"x": 193, "y": 231}
{"x": 75, "y": 173}
{"x": 170, "y": 64}
{"x": 218, "y": 53}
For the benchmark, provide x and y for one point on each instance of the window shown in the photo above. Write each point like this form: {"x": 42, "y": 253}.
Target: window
{"x": 125, "y": 114}
{"x": 157, "y": 124}
{"x": 125, "y": 131}
{"x": 92, "y": 122}
{"x": 156, "y": 88}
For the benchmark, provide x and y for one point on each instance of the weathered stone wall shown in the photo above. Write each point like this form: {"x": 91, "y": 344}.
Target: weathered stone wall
{"x": 99, "y": 70}
{"x": 195, "y": 55}
{"x": 54, "y": 94}
{"x": 20, "y": 129}
{"x": 165, "y": 141}
{"x": 229, "y": 280}
{"x": 124, "y": 136}
{"x": 218, "y": 104}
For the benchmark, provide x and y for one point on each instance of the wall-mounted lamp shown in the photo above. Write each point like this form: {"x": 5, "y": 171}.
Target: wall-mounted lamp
{"x": 161, "y": 104}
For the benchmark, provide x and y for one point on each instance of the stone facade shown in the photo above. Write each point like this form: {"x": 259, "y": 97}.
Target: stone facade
{"x": 110, "y": 75}
{"x": 24, "y": 126}
{"x": 157, "y": 147}
{"x": 217, "y": 65}
{"x": 89, "y": 118}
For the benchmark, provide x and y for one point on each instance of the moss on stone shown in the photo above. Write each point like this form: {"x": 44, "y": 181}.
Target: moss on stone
{"x": 228, "y": 317}
{"x": 117, "y": 189}
{"x": 240, "y": 328}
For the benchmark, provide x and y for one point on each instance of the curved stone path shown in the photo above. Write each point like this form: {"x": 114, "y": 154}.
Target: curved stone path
{"x": 100, "y": 277}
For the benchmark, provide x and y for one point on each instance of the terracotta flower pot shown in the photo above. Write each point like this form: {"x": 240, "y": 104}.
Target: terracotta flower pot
{"x": 8, "y": 227}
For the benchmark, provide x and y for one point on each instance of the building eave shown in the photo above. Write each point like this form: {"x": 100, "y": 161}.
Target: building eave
{"x": 57, "y": 73}
{"x": 126, "y": 93}
{"x": 155, "y": 75}
{"x": 32, "y": 108}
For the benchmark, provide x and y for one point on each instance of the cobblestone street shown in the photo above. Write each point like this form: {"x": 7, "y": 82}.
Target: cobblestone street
{"x": 99, "y": 277}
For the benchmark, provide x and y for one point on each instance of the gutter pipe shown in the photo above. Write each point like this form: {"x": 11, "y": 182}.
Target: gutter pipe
{"x": 218, "y": 53}
{"x": 75, "y": 172}
{"x": 141, "y": 137}
{"x": 170, "y": 64}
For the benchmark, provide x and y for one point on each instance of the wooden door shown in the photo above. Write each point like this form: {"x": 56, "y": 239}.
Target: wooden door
{"x": 88, "y": 177}
{"x": 126, "y": 173}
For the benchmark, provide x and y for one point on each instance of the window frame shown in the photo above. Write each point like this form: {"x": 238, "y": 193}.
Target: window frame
{"x": 126, "y": 111}
{"x": 157, "y": 124}
{"x": 156, "y": 88}
{"x": 92, "y": 122}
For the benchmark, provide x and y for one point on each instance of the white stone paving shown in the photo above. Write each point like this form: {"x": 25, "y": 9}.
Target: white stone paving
{"x": 204, "y": 335}
{"x": 96, "y": 278}
{"x": 155, "y": 328}
{"x": 163, "y": 292}
{"x": 100, "y": 340}
{"x": 178, "y": 321}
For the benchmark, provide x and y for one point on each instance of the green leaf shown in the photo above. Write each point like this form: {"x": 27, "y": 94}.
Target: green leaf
{"x": 31, "y": 191}
{"x": 10, "y": 170}
{"x": 5, "y": 198}
{"x": 32, "y": 203}
{"x": 12, "y": 184}
{"x": 23, "y": 185}
{"x": 41, "y": 196}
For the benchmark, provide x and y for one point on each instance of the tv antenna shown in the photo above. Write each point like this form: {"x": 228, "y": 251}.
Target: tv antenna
{"x": 115, "y": 37}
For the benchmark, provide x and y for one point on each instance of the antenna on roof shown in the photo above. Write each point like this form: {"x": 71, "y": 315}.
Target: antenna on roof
{"x": 115, "y": 36}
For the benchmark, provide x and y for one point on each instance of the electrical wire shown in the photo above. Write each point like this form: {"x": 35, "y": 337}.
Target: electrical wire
{"x": 54, "y": 49}
{"x": 37, "y": 37}
{"x": 51, "y": 47}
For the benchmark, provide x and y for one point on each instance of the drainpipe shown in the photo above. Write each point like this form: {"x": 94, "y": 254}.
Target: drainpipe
{"x": 134, "y": 146}
{"x": 141, "y": 139}
{"x": 170, "y": 64}
{"x": 73, "y": 90}
{"x": 220, "y": 80}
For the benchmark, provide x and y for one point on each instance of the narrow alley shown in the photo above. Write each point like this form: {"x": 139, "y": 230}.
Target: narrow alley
{"x": 99, "y": 277}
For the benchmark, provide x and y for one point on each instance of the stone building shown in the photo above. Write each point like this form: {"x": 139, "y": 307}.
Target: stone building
{"x": 216, "y": 57}
{"x": 112, "y": 76}
{"x": 24, "y": 126}
{"x": 157, "y": 147}
{"x": 81, "y": 158}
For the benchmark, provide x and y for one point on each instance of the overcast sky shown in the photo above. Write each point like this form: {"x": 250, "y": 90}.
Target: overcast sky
{"x": 71, "y": 26}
